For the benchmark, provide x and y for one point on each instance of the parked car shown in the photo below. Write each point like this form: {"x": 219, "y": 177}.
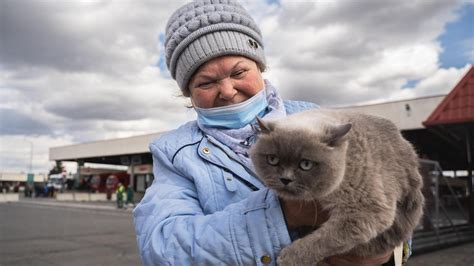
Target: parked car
{"x": 56, "y": 181}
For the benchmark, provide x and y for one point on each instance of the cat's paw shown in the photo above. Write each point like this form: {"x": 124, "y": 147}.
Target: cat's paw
{"x": 288, "y": 257}
{"x": 296, "y": 255}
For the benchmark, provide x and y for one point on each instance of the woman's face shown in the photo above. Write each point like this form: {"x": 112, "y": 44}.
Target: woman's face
{"x": 224, "y": 81}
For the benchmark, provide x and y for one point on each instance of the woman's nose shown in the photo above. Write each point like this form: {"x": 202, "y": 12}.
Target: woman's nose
{"x": 227, "y": 90}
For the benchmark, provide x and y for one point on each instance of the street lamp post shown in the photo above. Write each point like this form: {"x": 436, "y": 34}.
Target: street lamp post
{"x": 30, "y": 179}
{"x": 31, "y": 155}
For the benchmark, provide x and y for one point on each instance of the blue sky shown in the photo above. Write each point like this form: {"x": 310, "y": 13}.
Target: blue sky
{"x": 457, "y": 42}
{"x": 458, "y": 39}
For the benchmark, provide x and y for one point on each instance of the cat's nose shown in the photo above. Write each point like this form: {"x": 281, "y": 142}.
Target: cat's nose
{"x": 285, "y": 181}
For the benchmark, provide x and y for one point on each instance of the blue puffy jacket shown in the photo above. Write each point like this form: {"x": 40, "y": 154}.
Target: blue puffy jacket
{"x": 206, "y": 208}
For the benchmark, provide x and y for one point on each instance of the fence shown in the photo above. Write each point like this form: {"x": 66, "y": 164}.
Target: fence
{"x": 445, "y": 221}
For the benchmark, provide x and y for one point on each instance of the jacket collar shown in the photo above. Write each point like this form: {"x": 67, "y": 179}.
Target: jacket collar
{"x": 214, "y": 152}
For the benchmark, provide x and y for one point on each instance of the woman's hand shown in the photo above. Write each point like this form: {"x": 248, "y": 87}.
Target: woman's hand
{"x": 309, "y": 213}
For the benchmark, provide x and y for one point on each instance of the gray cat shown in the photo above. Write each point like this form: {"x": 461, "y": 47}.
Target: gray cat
{"x": 357, "y": 167}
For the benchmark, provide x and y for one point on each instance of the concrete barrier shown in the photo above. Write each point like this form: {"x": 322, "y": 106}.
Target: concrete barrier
{"x": 100, "y": 197}
{"x": 64, "y": 197}
{"x": 9, "y": 197}
{"x": 81, "y": 196}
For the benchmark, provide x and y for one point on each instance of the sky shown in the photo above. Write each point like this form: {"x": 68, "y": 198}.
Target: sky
{"x": 78, "y": 71}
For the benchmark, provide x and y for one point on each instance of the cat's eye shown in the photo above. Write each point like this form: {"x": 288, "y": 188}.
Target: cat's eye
{"x": 272, "y": 160}
{"x": 306, "y": 165}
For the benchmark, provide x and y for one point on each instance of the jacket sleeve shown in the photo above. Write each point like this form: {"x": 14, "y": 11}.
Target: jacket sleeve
{"x": 171, "y": 228}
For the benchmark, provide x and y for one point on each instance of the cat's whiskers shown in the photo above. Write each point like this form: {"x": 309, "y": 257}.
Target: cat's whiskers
{"x": 315, "y": 205}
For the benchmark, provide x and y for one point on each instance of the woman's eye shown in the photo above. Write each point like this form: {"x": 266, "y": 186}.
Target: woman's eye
{"x": 238, "y": 74}
{"x": 272, "y": 160}
{"x": 306, "y": 165}
{"x": 204, "y": 84}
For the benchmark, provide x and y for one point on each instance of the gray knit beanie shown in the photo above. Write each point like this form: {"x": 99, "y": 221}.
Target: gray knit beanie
{"x": 203, "y": 30}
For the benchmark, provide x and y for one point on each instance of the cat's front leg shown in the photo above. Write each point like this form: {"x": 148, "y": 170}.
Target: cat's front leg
{"x": 299, "y": 253}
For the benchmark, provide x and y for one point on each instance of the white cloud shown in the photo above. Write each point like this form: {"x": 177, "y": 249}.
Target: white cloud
{"x": 15, "y": 152}
{"x": 442, "y": 81}
{"x": 78, "y": 71}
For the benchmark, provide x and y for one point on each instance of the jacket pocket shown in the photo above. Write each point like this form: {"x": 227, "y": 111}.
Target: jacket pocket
{"x": 229, "y": 181}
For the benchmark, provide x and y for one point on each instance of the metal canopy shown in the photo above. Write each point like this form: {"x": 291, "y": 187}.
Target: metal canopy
{"x": 458, "y": 106}
{"x": 453, "y": 122}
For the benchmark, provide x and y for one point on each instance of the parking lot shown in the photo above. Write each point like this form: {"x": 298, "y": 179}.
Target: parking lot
{"x": 46, "y": 232}
{"x": 461, "y": 255}
{"x": 32, "y": 234}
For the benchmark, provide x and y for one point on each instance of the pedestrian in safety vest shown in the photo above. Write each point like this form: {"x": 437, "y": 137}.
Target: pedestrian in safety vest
{"x": 120, "y": 193}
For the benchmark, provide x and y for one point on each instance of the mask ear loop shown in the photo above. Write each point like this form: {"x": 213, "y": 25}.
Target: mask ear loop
{"x": 190, "y": 104}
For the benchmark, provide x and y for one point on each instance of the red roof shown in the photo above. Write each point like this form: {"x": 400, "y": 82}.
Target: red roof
{"x": 458, "y": 106}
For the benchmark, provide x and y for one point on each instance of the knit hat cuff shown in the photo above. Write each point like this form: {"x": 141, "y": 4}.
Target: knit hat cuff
{"x": 212, "y": 45}
{"x": 203, "y": 31}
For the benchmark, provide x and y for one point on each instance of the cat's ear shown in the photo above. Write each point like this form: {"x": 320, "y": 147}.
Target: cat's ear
{"x": 335, "y": 134}
{"x": 263, "y": 127}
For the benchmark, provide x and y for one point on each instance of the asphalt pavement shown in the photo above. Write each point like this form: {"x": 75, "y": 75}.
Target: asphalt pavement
{"x": 42, "y": 234}
{"x": 47, "y": 232}
{"x": 461, "y": 255}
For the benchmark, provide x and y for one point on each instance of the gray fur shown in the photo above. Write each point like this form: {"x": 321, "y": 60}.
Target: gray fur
{"x": 365, "y": 175}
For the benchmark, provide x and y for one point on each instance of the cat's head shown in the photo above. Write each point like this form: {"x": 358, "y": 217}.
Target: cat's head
{"x": 301, "y": 160}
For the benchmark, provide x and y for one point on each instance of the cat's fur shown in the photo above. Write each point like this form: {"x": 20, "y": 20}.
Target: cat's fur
{"x": 364, "y": 174}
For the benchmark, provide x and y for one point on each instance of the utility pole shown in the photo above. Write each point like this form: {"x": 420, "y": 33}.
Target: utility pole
{"x": 30, "y": 177}
{"x": 30, "y": 169}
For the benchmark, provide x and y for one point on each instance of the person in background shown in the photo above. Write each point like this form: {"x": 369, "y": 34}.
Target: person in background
{"x": 206, "y": 206}
{"x": 51, "y": 190}
{"x": 45, "y": 190}
{"x": 120, "y": 194}
{"x": 130, "y": 195}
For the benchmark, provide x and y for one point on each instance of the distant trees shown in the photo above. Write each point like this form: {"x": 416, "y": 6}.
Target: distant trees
{"x": 58, "y": 168}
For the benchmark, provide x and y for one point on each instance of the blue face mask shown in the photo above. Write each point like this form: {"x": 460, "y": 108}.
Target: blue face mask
{"x": 233, "y": 116}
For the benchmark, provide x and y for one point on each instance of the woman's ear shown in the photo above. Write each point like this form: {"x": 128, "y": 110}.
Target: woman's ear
{"x": 190, "y": 105}
{"x": 261, "y": 67}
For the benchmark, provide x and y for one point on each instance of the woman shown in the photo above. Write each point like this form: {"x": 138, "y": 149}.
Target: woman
{"x": 206, "y": 206}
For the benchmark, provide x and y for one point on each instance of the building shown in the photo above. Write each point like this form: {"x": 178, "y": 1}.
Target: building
{"x": 132, "y": 152}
